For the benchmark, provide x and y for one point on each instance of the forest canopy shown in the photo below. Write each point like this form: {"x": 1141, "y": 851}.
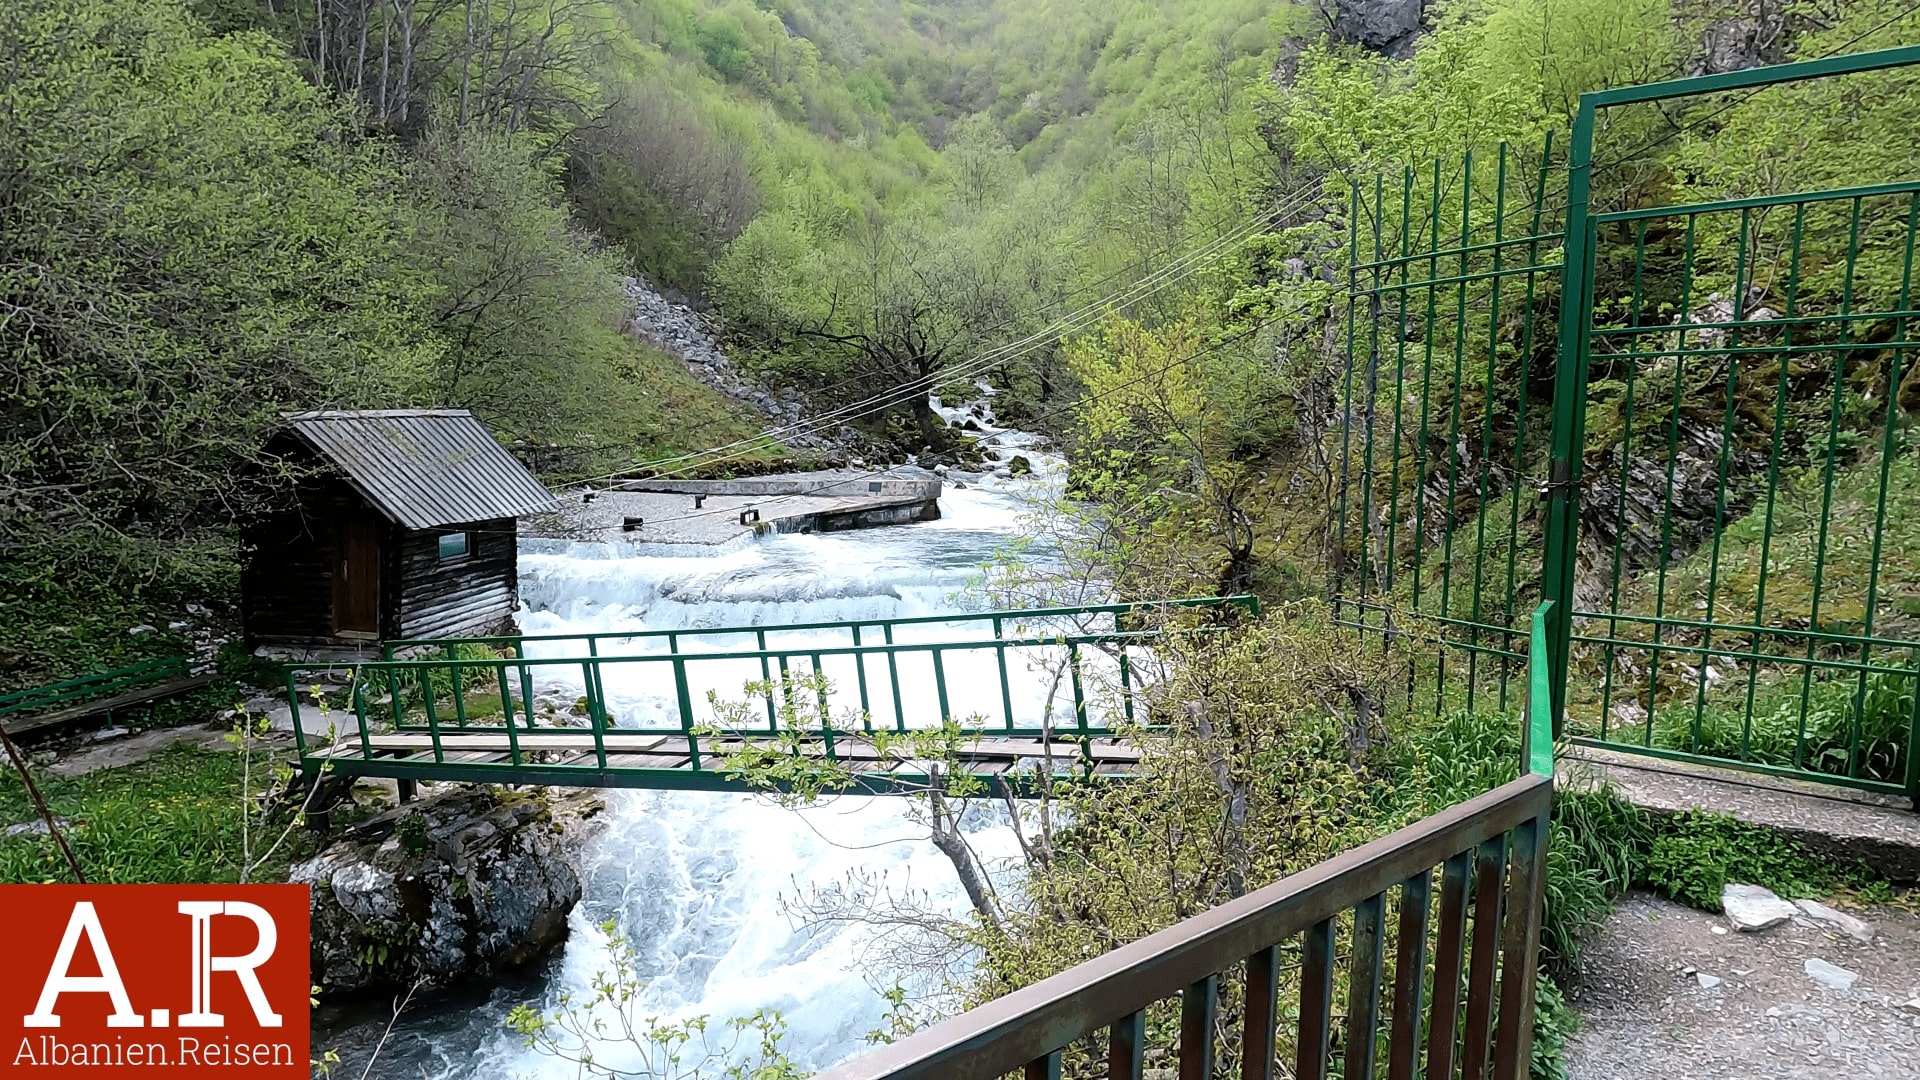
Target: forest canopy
{"x": 218, "y": 210}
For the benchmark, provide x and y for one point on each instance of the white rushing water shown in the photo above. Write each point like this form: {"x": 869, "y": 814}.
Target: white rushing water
{"x": 695, "y": 880}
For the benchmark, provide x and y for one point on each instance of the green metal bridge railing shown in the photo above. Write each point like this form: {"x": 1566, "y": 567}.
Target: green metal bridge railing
{"x": 1078, "y": 617}
{"x": 1712, "y": 496}
{"x": 818, "y": 691}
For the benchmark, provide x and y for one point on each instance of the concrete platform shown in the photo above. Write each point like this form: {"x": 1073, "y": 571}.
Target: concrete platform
{"x": 719, "y": 512}
{"x": 1882, "y": 831}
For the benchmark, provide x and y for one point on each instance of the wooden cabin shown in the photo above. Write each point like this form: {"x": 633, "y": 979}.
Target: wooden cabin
{"x": 405, "y": 527}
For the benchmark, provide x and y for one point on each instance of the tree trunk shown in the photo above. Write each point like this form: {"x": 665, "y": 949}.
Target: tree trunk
{"x": 360, "y": 54}
{"x": 386, "y": 64}
{"x": 466, "y": 66}
{"x": 406, "y": 58}
{"x": 1233, "y": 794}
{"x": 923, "y": 416}
{"x": 946, "y": 837}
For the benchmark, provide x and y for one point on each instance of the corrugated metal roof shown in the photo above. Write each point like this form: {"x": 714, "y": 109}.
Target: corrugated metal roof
{"x": 424, "y": 467}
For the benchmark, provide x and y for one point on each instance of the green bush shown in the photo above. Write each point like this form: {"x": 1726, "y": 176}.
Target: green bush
{"x": 1593, "y": 850}
{"x": 1878, "y": 711}
{"x": 1692, "y": 857}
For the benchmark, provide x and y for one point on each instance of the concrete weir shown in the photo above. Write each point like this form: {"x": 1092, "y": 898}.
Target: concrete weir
{"x": 715, "y": 512}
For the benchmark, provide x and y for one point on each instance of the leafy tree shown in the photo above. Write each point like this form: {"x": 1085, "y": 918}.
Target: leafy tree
{"x": 980, "y": 162}
{"x": 899, "y": 300}
{"x": 1492, "y": 70}
{"x": 532, "y": 314}
{"x": 650, "y": 175}
{"x": 1170, "y": 442}
{"x": 192, "y": 239}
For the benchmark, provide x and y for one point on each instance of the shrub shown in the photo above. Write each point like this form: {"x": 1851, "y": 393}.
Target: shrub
{"x": 1692, "y": 857}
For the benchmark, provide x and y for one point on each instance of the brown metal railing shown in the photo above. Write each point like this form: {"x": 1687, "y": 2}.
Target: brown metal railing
{"x": 1472, "y": 1013}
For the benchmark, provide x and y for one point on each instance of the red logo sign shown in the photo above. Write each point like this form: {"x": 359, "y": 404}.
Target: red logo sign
{"x": 154, "y": 980}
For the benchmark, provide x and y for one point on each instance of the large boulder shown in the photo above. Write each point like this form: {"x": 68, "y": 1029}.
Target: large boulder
{"x": 463, "y": 884}
{"x": 1743, "y": 39}
{"x": 1387, "y": 27}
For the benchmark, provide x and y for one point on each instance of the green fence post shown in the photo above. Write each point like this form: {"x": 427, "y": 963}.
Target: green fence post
{"x": 506, "y": 715}
{"x": 684, "y": 699}
{"x": 1569, "y": 408}
{"x": 1913, "y": 735}
{"x": 893, "y": 676}
{"x": 393, "y": 698}
{"x": 940, "y": 685}
{"x": 293, "y": 710}
{"x": 1000, "y": 661}
{"x": 459, "y": 695}
{"x": 596, "y": 710}
{"x": 1080, "y": 710}
{"x": 786, "y": 690}
{"x": 359, "y": 715}
{"x": 826, "y": 713}
{"x": 506, "y": 690}
{"x": 526, "y": 695}
{"x": 766, "y": 678}
{"x": 1536, "y": 749}
{"x": 433, "y": 713}
{"x": 860, "y": 677}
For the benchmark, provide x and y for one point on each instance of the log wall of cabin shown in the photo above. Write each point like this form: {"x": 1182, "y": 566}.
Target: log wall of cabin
{"x": 470, "y": 594}
{"x": 287, "y": 584}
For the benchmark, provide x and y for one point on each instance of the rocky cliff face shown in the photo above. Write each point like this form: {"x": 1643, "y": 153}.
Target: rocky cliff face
{"x": 1743, "y": 40}
{"x": 469, "y": 883}
{"x": 1387, "y": 27}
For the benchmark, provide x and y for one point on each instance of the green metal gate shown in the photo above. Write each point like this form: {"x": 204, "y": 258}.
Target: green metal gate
{"x": 1712, "y": 492}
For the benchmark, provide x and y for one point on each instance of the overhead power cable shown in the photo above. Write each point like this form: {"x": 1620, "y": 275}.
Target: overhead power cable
{"x": 907, "y": 391}
{"x": 1216, "y": 347}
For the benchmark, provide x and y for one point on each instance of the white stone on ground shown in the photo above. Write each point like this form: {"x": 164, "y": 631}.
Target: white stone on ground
{"x": 1857, "y": 929}
{"x": 1751, "y": 907}
{"x": 1831, "y": 976}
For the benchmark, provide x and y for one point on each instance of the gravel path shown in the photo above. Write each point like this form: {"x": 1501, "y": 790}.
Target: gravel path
{"x": 1651, "y": 1006}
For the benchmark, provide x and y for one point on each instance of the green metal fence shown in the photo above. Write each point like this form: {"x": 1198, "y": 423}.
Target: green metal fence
{"x": 1083, "y": 618}
{"x": 1453, "y": 287}
{"x": 1434, "y": 930}
{"x": 100, "y": 684}
{"x": 1707, "y": 447}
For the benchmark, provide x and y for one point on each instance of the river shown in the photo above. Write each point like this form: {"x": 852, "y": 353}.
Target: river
{"x": 695, "y": 881}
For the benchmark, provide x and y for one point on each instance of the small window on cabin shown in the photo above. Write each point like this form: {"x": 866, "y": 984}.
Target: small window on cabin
{"x": 454, "y": 545}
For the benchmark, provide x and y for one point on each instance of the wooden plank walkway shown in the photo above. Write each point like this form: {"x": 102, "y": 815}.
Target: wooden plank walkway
{"x": 86, "y": 710}
{"x": 572, "y": 759}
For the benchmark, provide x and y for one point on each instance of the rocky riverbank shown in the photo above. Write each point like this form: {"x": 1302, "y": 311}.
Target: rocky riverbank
{"x": 470, "y": 883}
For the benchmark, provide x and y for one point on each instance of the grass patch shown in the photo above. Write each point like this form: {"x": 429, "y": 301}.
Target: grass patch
{"x": 1693, "y": 856}
{"x": 175, "y": 817}
{"x": 1813, "y": 724}
{"x": 1796, "y": 545}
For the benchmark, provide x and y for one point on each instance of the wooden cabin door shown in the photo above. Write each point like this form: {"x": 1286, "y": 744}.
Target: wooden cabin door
{"x": 356, "y": 578}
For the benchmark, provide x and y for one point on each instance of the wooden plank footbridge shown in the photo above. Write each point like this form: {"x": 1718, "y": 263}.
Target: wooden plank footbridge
{"x": 1020, "y": 694}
